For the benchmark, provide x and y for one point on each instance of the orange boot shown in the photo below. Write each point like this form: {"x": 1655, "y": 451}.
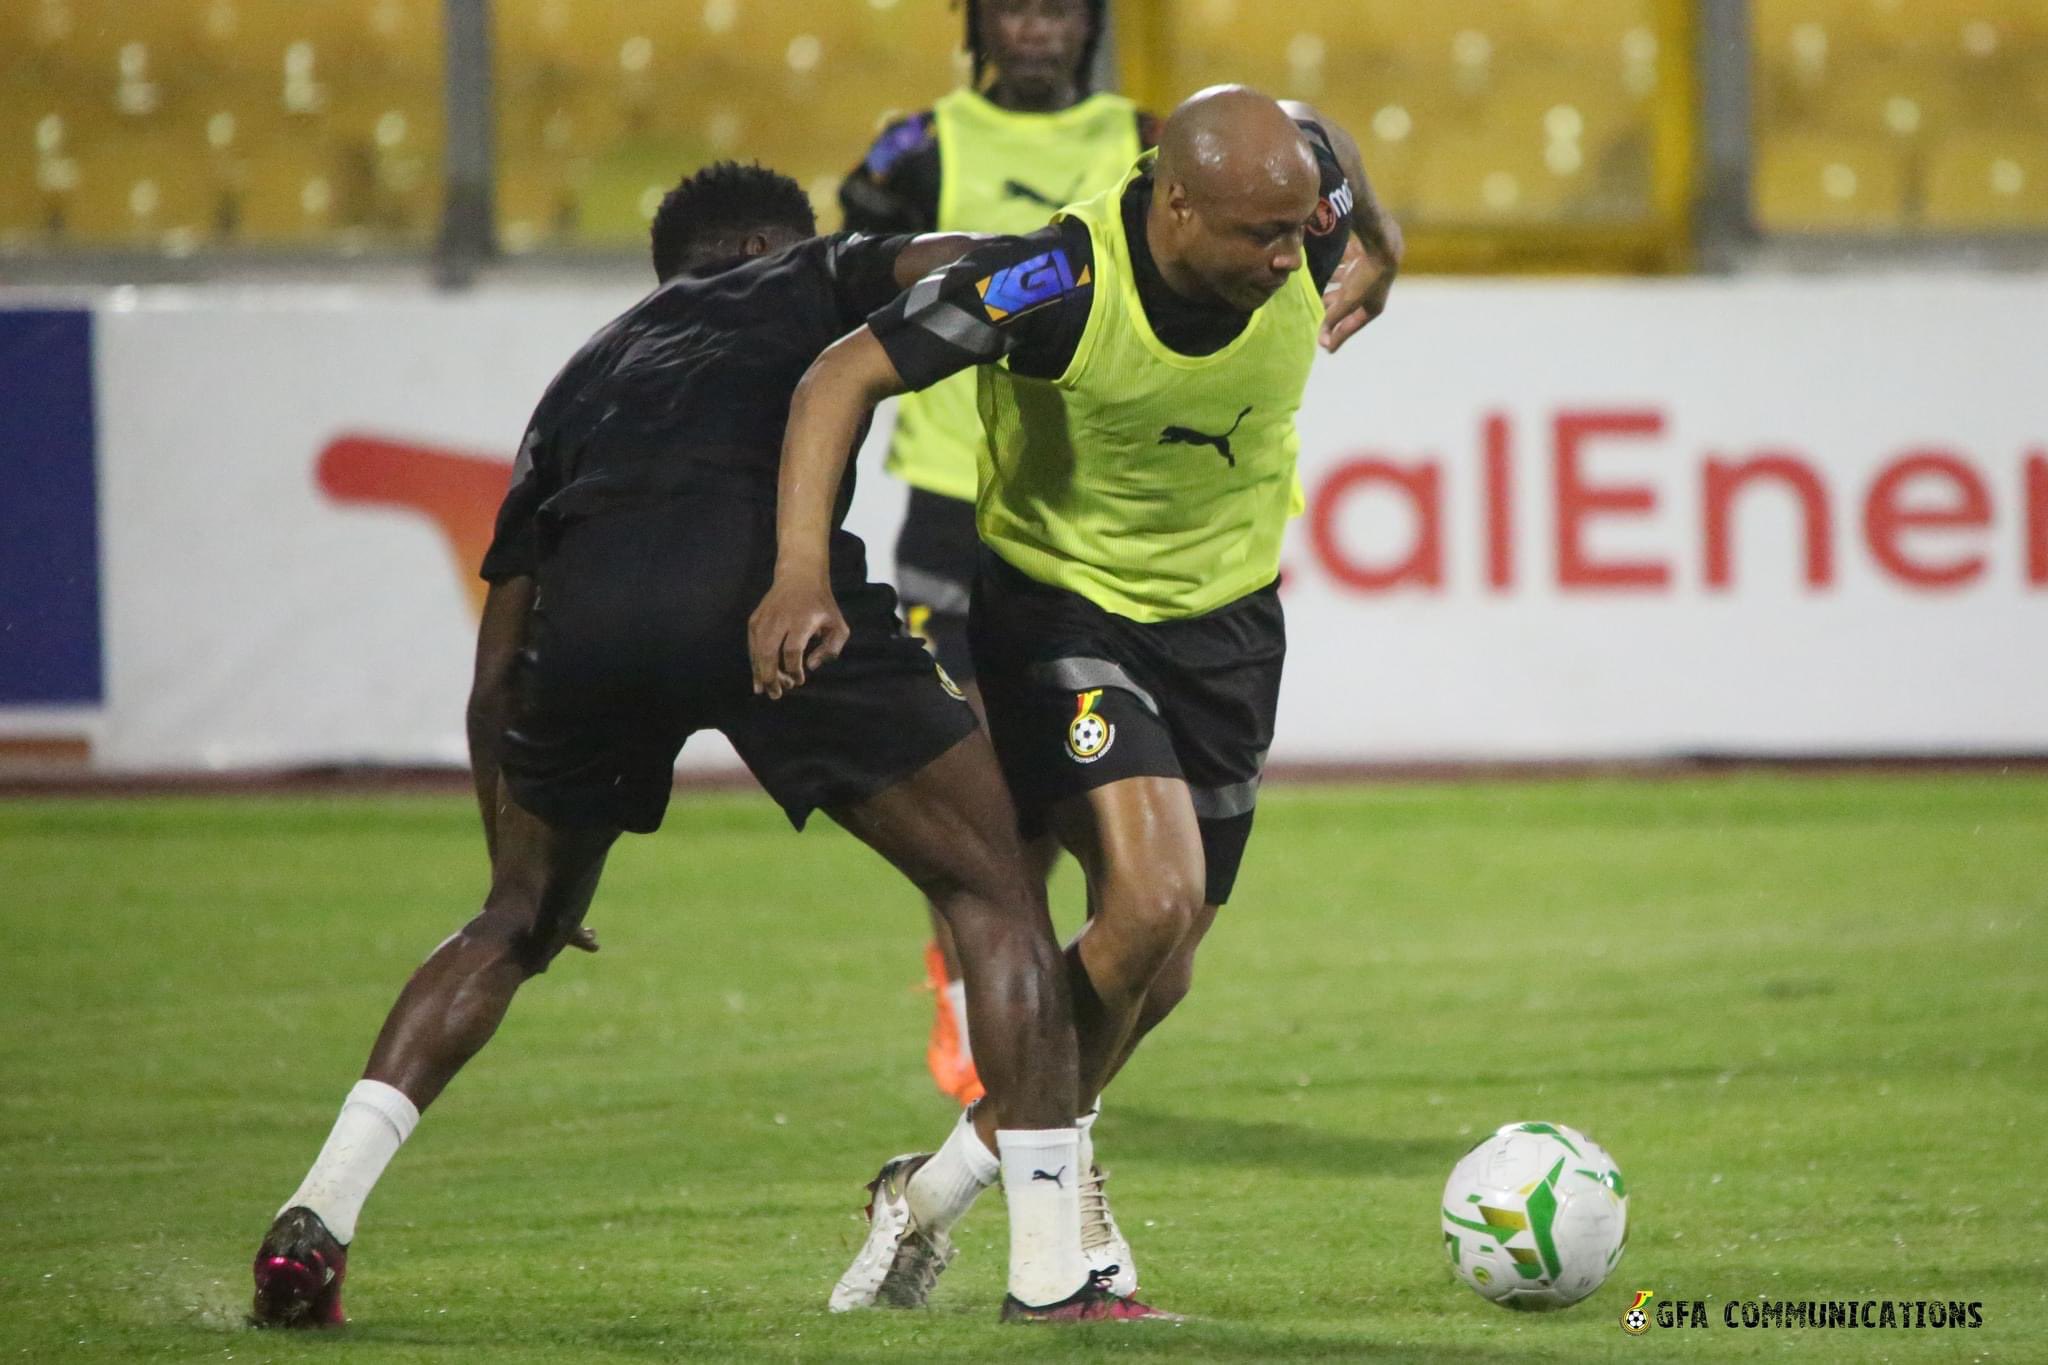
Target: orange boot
{"x": 952, "y": 1065}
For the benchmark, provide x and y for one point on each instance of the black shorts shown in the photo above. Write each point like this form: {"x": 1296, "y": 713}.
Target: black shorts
{"x": 935, "y": 554}
{"x": 638, "y": 639}
{"x": 1079, "y": 697}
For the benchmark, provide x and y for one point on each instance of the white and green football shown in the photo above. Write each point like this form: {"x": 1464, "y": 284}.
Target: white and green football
{"x": 1535, "y": 1216}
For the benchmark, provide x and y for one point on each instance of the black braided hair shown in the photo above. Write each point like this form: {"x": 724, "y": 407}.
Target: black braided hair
{"x": 1098, "y": 18}
{"x": 726, "y": 199}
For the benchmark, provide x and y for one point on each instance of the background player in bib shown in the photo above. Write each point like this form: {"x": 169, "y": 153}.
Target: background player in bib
{"x": 1000, "y": 155}
{"x": 636, "y": 535}
{"x": 1141, "y": 361}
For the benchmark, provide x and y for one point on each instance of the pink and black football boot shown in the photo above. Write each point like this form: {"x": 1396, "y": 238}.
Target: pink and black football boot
{"x": 1092, "y": 1302}
{"x": 299, "y": 1270}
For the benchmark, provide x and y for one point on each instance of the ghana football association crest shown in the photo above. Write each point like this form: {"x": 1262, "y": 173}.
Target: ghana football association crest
{"x": 1636, "y": 1320}
{"x": 1089, "y": 733}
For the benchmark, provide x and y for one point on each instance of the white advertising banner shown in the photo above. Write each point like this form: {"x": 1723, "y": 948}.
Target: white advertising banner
{"x": 1546, "y": 520}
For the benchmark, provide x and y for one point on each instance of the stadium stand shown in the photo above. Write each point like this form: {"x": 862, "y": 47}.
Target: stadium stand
{"x": 1888, "y": 116}
{"x": 591, "y": 132}
{"x": 181, "y": 123}
{"x": 1507, "y": 133}
{"x": 1516, "y": 127}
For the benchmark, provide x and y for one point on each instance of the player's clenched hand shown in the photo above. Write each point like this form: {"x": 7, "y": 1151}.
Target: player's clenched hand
{"x": 796, "y": 628}
{"x": 1355, "y": 295}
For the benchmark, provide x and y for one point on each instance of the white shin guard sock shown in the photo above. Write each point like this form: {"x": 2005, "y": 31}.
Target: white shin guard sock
{"x": 1085, "y": 1127}
{"x": 956, "y": 1001}
{"x": 375, "y": 1121}
{"x": 1041, "y": 1181}
{"x": 945, "y": 1187}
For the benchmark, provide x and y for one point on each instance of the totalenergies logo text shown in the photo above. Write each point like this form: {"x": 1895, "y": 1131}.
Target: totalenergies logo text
{"x": 1929, "y": 518}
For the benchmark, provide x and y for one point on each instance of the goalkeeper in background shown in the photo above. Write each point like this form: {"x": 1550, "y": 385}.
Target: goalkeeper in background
{"x": 1000, "y": 155}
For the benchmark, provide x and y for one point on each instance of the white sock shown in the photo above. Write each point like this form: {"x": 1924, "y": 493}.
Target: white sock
{"x": 945, "y": 1187}
{"x": 1085, "y": 1127}
{"x": 956, "y": 999}
{"x": 1040, "y": 1180}
{"x": 375, "y": 1120}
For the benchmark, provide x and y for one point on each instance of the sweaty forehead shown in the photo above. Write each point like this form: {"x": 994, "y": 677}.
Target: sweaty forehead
{"x": 1257, "y": 179}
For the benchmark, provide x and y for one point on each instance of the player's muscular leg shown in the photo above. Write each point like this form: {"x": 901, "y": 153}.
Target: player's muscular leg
{"x": 950, "y": 828}
{"x": 1168, "y": 988}
{"x": 1040, "y": 855}
{"x": 541, "y": 883}
{"x": 1141, "y": 849}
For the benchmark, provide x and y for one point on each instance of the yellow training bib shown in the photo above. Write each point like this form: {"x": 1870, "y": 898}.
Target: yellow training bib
{"x": 1157, "y": 485}
{"x": 1001, "y": 172}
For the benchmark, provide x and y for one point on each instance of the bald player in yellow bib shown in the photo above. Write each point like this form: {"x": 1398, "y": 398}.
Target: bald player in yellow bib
{"x": 1141, "y": 361}
{"x": 1000, "y": 154}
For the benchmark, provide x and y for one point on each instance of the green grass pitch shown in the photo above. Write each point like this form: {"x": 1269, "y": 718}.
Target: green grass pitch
{"x": 1808, "y": 1015}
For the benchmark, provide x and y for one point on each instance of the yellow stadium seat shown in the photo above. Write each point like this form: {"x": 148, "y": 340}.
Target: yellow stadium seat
{"x": 1786, "y": 29}
{"x": 1560, "y": 105}
{"x": 35, "y": 36}
{"x": 1591, "y": 138}
{"x": 1477, "y": 180}
{"x": 536, "y": 204}
{"x": 1988, "y": 182}
{"x": 616, "y": 199}
{"x": 143, "y": 190}
{"x": 24, "y": 209}
{"x": 1823, "y": 184}
{"x": 293, "y": 194}
{"x": 1467, "y": 36}
{"x": 1907, "y": 101}
{"x": 360, "y": 36}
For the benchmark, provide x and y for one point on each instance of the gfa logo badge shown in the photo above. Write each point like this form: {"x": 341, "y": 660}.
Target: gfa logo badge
{"x": 1088, "y": 734}
{"x": 1636, "y": 1320}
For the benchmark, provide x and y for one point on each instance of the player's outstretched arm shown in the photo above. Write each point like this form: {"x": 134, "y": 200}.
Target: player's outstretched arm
{"x": 934, "y": 251}
{"x": 798, "y": 627}
{"x": 499, "y": 637}
{"x": 1357, "y": 293}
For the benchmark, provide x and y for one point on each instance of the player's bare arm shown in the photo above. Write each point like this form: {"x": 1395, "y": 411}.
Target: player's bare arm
{"x": 1357, "y": 293}
{"x": 499, "y": 636}
{"x": 933, "y": 251}
{"x": 798, "y": 626}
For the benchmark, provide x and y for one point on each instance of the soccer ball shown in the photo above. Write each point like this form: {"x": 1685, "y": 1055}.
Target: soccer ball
{"x": 1535, "y": 1216}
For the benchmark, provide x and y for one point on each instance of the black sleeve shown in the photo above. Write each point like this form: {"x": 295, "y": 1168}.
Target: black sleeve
{"x": 863, "y": 270}
{"x": 1026, "y": 298}
{"x": 1330, "y": 230}
{"x": 515, "y": 547}
{"x": 896, "y": 186}
{"x": 536, "y": 477}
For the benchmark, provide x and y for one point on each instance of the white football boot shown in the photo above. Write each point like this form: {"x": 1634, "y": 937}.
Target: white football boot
{"x": 900, "y": 1261}
{"x": 1102, "y": 1241}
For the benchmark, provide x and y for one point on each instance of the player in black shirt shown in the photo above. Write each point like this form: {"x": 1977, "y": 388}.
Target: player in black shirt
{"x": 638, "y": 533}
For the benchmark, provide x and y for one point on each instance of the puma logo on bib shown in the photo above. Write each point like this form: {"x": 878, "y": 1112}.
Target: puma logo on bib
{"x": 1188, "y": 436}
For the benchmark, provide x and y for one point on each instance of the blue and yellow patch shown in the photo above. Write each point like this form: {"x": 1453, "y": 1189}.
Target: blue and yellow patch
{"x": 1029, "y": 284}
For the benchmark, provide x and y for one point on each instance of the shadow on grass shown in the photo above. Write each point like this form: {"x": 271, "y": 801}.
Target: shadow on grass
{"x": 892, "y": 1337}
{"x": 1191, "y": 1140}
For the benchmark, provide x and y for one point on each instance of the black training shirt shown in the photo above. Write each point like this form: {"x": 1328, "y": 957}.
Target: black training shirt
{"x": 689, "y": 389}
{"x": 944, "y": 323}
